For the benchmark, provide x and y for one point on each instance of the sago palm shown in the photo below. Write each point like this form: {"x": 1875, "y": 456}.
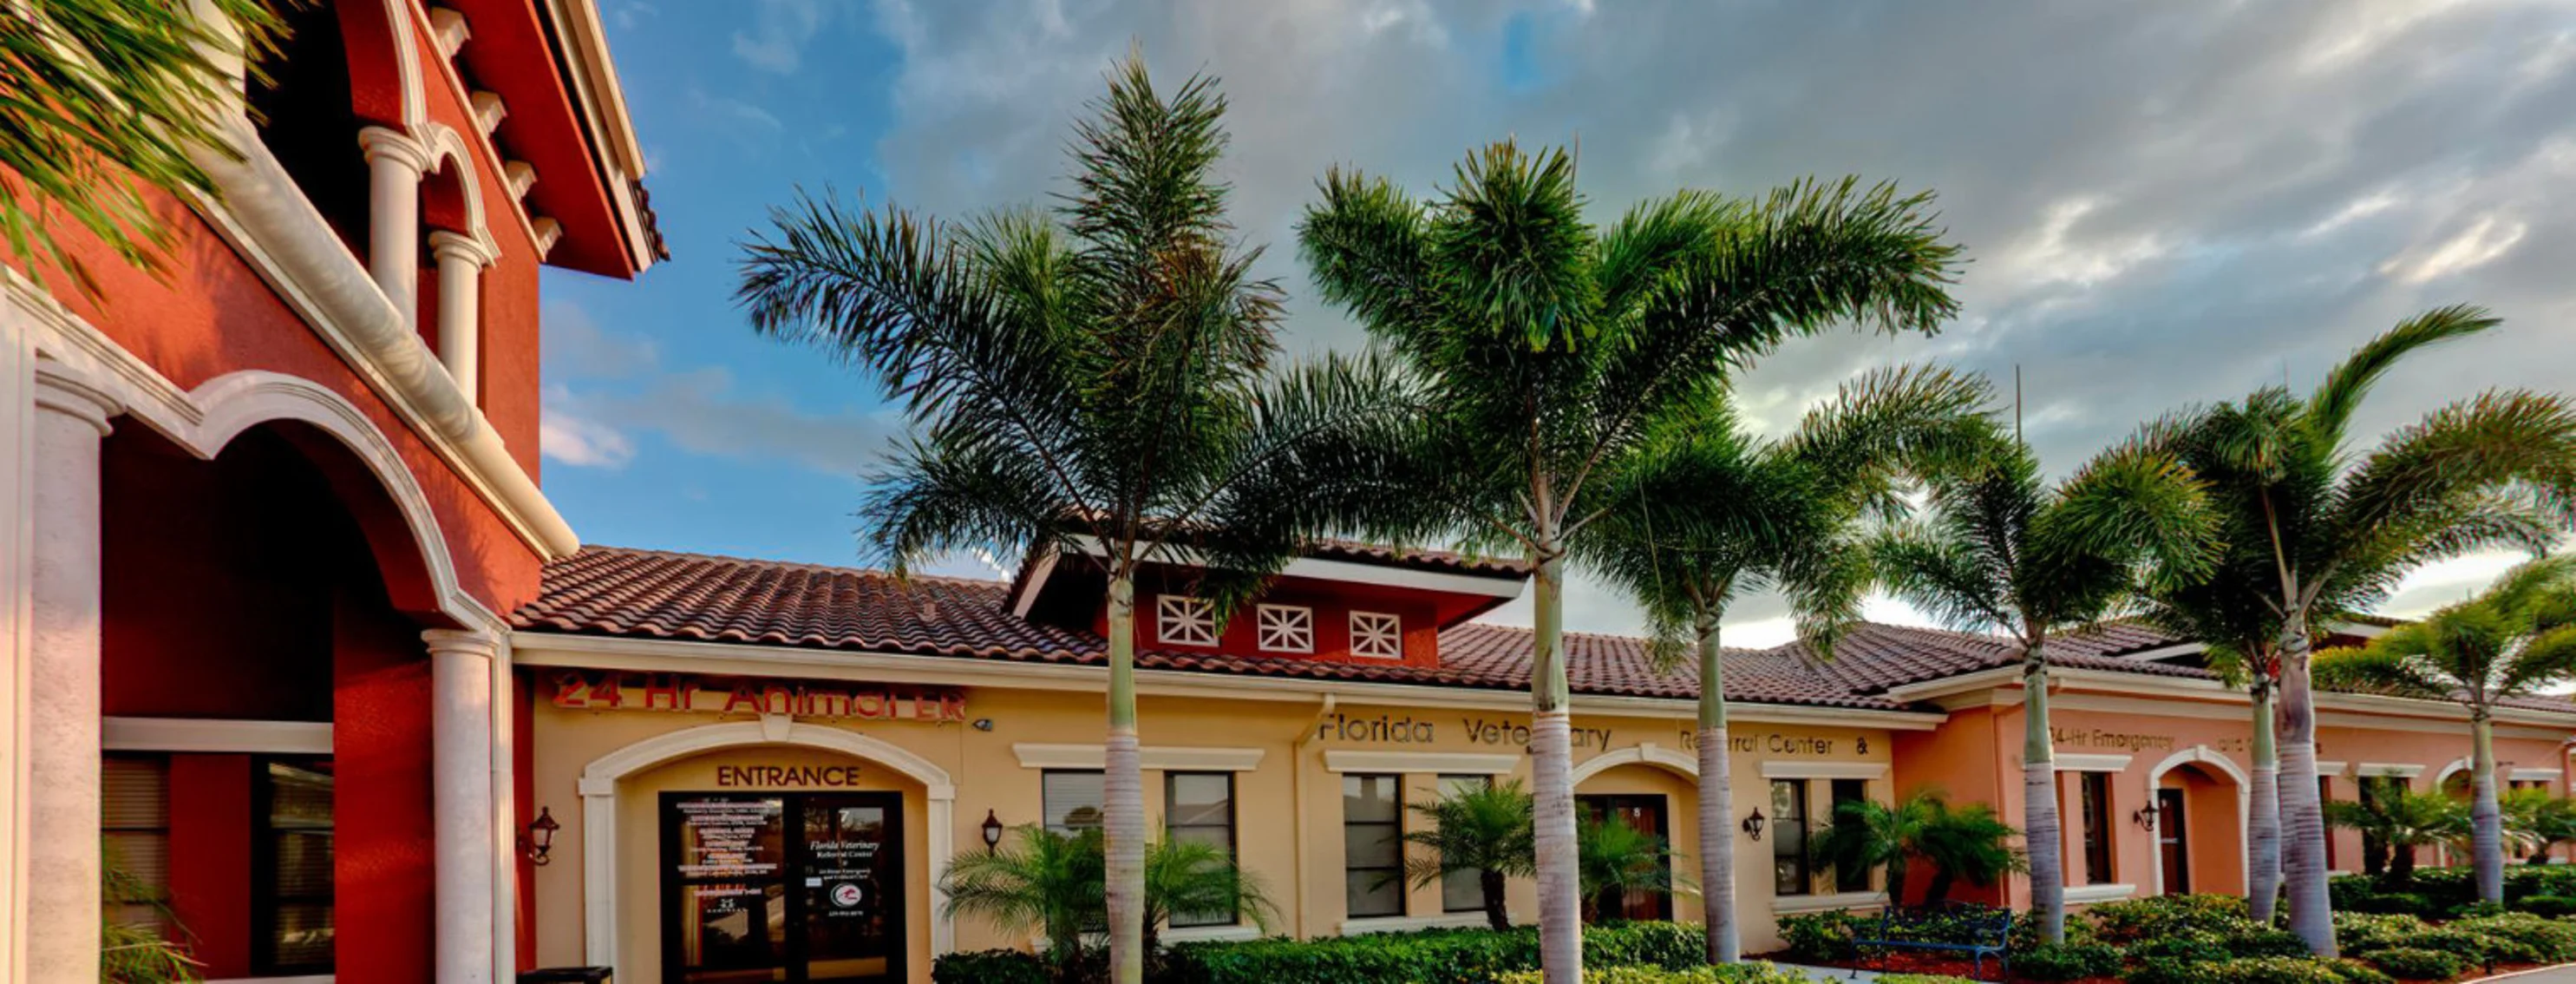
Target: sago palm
{"x": 1705, "y": 512}
{"x": 2338, "y": 526}
{"x": 1482, "y": 830}
{"x": 1097, "y": 382}
{"x": 107, "y": 98}
{"x": 1613, "y": 858}
{"x": 2401, "y": 821}
{"x": 1547, "y": 346}
{"x": 1189, "y": 877}
{"x": 1997, "y": 550}
{"x": 2544, "y": 821}
{"x": 1965, "y": 843}
{"x": 1042, "y": 880}
{"x": 2516, "y": 639}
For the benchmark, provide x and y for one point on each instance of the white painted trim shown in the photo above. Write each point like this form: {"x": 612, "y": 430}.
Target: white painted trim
{"x": 1791, "y": 769}
{"x": 1453, "y": 763}
{"x": 2534, "y": 775}
{"x": 2456, "y": 766}
{"x": 1647, "y": 753}
{"x": 2161, "y": 653}
{"x": 1166, "y": 757}
{"x": 1028, "y": 593}
{"x": 1350, "y": 572}
{"x": 2098, "y": 893}
{"x": 141, "y": 734}
{"x": 2082, "y": 762}
{"x": 2336, "y": 769}
{"x": 2402, "y": 770}
{"x": 2203, "y": 755}
{"x": 1354, "y": 627}
{"x": 602, "y": 103}
{"x": 1367, "y": 925}
{"x": 1234, "y": 931}
{"x": 1788, "y": 905}
{"x": 641, "y": 655}
{"x": 1262, "y": 610}
{"x": 600, "y": 779}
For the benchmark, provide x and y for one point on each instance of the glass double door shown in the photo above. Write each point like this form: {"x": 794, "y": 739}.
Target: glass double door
{"x": 794, "y": 887}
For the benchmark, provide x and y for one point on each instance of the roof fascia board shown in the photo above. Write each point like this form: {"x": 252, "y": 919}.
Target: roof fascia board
{"x": 1490, "y": 585}
{"x": 548, "y": 649}
{"x": 1961, "y": 691}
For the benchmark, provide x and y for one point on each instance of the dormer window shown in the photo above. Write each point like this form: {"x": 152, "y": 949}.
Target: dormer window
{"x": 1287, "y": 629}
{"x": 1377, "y": 635}
{"x": 1181, "y": 620}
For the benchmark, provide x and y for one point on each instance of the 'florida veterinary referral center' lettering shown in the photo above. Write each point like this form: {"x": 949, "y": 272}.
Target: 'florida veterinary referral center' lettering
{"x": 1393, "y": 729}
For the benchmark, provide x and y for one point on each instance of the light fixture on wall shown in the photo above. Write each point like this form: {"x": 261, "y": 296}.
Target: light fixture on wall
{"x": 541, "y": 837}
{"x": 1753, "y": 824}
{"x": 992, "y": 831}
{"x": 2145, "y": 818}
{"x": 983, "y": 724}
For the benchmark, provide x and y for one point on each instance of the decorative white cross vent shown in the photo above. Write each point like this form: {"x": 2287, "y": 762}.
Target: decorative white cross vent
{"x": 1287, "y": 629}
{"x": 1184, "y": 621}
{"x": 1377, "y": 634}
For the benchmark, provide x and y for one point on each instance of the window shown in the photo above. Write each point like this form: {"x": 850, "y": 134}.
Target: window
{"x": 1372, "y": 845}
{"x": 1181, "y": 620}
{"x": 1286, "y": 629}
{"x": 1789, "y": 837}
{"x": 1198, "y": 808}
{"x": 291, "y": 898}
{"x": 1461, "y": 891}
{"x": 1849, "y": 876}
{"x": 2095, "y": 792}
{"x": 1071, "y": 799}
{"x": 134, "y": 825}
{"x": 1377, "y": 635}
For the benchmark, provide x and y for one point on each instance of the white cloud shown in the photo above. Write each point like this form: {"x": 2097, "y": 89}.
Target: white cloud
{"x": 2484, "y": 240}
{"x": 577, "y": 441}
{"x": 780, "y": 31}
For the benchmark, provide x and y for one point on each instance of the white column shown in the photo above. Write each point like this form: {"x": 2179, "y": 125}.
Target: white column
{"x": 394, "y": 165}
{"x": 460, "y": 734}
{"x": 63, "y": 676}
{"x": 461, "y": 260}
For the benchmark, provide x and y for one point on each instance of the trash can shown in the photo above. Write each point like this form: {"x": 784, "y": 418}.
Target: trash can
{"x": 566, "y": 975}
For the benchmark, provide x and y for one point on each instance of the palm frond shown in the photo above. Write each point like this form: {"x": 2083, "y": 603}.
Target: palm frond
{"x": 2331, "y": 408}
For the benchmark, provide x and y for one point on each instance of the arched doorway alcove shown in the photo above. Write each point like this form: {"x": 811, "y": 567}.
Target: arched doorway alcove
{"x": 2200, "y": 798}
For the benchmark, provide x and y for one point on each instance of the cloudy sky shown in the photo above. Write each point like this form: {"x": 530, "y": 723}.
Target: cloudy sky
{"x": 2163, "y": 202}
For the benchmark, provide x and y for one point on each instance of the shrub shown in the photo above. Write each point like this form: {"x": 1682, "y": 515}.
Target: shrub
{"x": 2357, "y": 972}
{"x": 2547, "y": 941}
{"x": 1471, "y": 956}
{"x": 2287, "y": 970}
{"x": 2166, "y": 916}
{"x": 2408, "y": 963}
{"x": 989, "y": 967}
{"x": 2475, "y": 910}
{"x": 1743, "y": 973}
{"x": 1922, "y": 979}
{"x": 2174, "y": 960}
{"x": 2359, "y": 932}
{"x": 2552, "y": 906}
{"x": 2067, "y": 961}
{"x": 2397, "y": 904}
{"x": 1822, "y": 936}
{"x": 2264, "y": 942}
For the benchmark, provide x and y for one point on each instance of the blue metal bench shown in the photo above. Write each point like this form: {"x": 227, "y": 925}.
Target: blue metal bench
{"x": 1988, "y": 932}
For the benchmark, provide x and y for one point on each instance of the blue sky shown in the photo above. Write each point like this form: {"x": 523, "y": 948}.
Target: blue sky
{"x": 2162, "y": 203}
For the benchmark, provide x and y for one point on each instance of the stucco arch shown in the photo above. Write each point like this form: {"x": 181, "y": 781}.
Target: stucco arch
{"x": 2200, "y": 755}
{"x": 599, "y": 784}
{"x": 1645, "y": 754}
{"x": 451, "y": 187}
{"x": 384, "y": 63}
{"x": 2457, "y": 766}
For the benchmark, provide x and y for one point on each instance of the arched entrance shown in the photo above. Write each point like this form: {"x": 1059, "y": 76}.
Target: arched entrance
{"x": 1656, "y": 791}
{"x": 622, "y": 867}
{"x": 2200, "y": 798}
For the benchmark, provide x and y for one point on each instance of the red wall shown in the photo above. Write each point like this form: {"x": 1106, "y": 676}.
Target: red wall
{"x": 210, "y": 852}
{"x": 382, "y": 865}
{"x": 1333, "y": 603}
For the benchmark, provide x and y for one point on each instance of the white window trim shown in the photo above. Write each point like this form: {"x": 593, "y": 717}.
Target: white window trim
{"x": 146, "y": 734}
{"x": 1798, "y": 904}
{"x": 2397, "y": 769}
{"x": 1398, "y": 622}
{"x": 1170, "y": 606}
{"x": 1235, "y": 931}
{"x": 2534, "y": 775}
{"x": 2093, "y": 763}
{"x": 1261, "y": 628}
{"x": 1452, "y": 763}
{"x": 1824, "y": 770}
{"x": 2098, "y": 893}
{"x": 2326, "y": 768}
{"x": 1050, "y": 756}
{"x": 1366, "y": 925}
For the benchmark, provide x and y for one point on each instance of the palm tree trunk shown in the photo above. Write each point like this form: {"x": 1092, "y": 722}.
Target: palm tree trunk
{"x": 1123, "y": 789}
{"x": 1490, "y": 882}
{"x": 2263, "y": 812}
{"x": 1560, "y": 919}
{"x": 2486, "y": 819}
{"x": 2039, "y": 800}
{"x": 1716, "y": 801}
{"x": 2303, "y": 820}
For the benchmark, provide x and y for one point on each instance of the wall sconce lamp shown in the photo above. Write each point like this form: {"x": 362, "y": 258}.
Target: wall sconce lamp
{"x": 2145, "y": 818}
{"x": 1753, "y": 824}
{"x": 983, "y": 724}
{"x": 541, "y": 837}
{"x": 992, "y": 831}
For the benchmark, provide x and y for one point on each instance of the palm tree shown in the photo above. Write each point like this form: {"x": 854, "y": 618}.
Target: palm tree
{"x": 2516, "y": 639}
{"x": 2339, "y": 526}
{"x": 1043, "y": 881}
{"x": 106, "y": 98}
{"x": 2226, "y": 613}
{"x": 140, "y": 952}
{"x": 1099, "y": 387}
{"x": 1968, "y": 842}
{"x": 1545, "y": 346}
{"x": 1997, "y": 551}
{"x": 1614, "y": 858}
{"x": 1481, "y": 829}
{"x": 1183, "y": 877}
{"x": 1707, "y": 512}
{"x": 2401, "y": 821}
{"x": 2542, "y": 820}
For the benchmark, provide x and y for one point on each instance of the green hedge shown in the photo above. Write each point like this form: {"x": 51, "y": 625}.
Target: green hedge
{"x": 2408, "y": 963}
{"x": 2441, "y": 891}
{"x": 1743, "y": 973}
{"x": 2067, "y": 961}
{"x": 1468, "y": 956}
